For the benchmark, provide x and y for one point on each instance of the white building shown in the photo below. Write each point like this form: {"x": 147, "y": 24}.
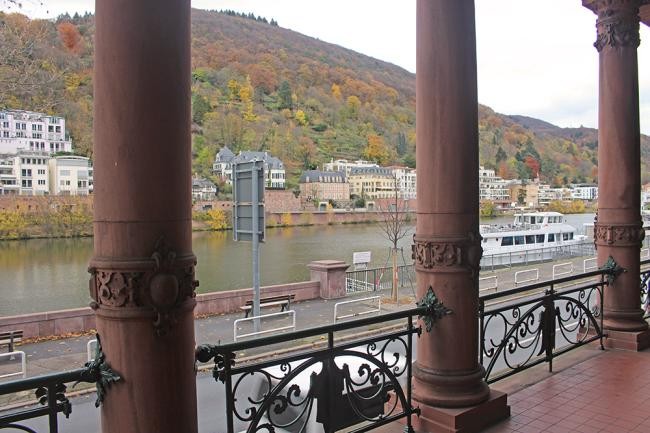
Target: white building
{"x": 31, "y": 131}
{"x": 584, "y": 192}
{"x": 273, "y": 168}
{"x": 203, "y": 189}
{"x": 493, "y": 187}
{"x": 70, "y": 175}
{"x": 345, "y": 166}
{"x": 406, "y": 179}
{"x": 26, "y": 173}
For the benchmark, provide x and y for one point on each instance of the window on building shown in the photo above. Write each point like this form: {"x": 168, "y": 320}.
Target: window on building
{"x": 33, "y": 127}
{"x": 26, "y": 183}
{"x": 41, "y": 182}
{"x": 5, "y": 134}
{"x": 50, "y": 128}
{"x": 5, "y": 124}
{"x": 41, "y": 171}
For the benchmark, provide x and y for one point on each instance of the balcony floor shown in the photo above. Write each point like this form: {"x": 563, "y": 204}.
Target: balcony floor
{"x": 591, "y": 391}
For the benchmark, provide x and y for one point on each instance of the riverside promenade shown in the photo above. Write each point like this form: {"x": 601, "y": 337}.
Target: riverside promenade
{"x": 62, "y": 353}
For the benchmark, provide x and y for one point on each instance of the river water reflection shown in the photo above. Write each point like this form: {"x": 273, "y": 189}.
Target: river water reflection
{"x": 51, "y": 274}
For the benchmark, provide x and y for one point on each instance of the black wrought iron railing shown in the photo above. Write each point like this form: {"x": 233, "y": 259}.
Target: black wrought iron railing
{"x": 533, "y": 324}
{"x": 645, "y": 287}
{"x": 360, "y": 384}
{"x": 50, "y": 393}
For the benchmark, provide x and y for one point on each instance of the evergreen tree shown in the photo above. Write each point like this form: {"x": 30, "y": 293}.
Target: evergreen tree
{"x": 284, "y": 96}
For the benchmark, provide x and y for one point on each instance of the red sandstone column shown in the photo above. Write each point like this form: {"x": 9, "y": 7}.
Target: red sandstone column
{"x": 143, "y": 268}
{"x": 618, "y": 231}
{"x": 447, "y": 246}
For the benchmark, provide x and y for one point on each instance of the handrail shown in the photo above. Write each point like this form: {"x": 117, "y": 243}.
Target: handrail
{"x": 211, "y": 350}
{"x": 359, "y": 381}
{"x": 542, "y": 284}
{"x": 50, "y": 391}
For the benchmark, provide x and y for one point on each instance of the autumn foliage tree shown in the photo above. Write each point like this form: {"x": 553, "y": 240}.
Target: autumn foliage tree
{"x": 376, "y": 149}
{"x": 70, "y": 37}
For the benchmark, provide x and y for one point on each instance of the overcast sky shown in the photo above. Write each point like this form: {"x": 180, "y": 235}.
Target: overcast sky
{"x": 535, "y": 58}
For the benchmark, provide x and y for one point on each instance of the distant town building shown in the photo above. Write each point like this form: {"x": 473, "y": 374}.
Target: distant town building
{"x": 31, "y": 131}
{"x": 273, "y": 168}
{"x": 406, "y": 179}
{"x": 70, "y": 175}
{"x": 372, "y": 182}
{"x": 324, "y": 186}
{"x": 493, "y": 187}
{"x": 222, "y": 166}
{"x": 26, "y": 173}
{"x": 584, "y": 192}
{"x": 345, "y": 166}
{"x": 203, "y": 189}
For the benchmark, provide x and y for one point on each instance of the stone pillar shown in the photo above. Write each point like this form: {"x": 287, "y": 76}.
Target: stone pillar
{"x": 448, "y": 380}
{"x": 142, "y": 270}
{"x": 331, "y": 274}
{"x": 618, "y": 230}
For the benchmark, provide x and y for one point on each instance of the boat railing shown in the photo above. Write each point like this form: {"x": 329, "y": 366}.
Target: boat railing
{"x": 509, "y": 228}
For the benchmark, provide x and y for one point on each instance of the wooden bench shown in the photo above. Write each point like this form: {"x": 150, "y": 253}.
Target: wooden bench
{"x": 10, "y": 338}
{"x": 283, "y": 300}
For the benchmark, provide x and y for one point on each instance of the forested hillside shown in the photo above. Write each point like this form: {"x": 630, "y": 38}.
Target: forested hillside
{"x": 261, "y": 87}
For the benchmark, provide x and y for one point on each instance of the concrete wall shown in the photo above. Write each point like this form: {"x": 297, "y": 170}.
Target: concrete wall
{"x": 83, "y": 319}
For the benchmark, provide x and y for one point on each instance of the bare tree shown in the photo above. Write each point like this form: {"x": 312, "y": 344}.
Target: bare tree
{"x": 394, "y": 225}
{"x": 28, "y": 70}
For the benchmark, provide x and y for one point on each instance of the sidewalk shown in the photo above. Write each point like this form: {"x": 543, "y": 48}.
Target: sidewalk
{"x": 65, "y": 354}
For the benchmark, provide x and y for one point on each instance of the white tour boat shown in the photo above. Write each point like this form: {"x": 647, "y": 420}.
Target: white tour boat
{"x": 534, "y": 236}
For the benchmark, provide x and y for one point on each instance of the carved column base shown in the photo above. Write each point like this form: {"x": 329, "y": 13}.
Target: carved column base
{"x": 624, "y": 321}
{"x": 633, "y": 341}
{"x": 471, "y": 419}
{"x": 449, "y": 389}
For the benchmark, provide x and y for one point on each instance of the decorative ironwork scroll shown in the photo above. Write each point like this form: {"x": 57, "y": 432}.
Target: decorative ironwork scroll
{"x": 539, "y": 327}
{"x": 50, "y": 391}
{"x": 358, "y": 385}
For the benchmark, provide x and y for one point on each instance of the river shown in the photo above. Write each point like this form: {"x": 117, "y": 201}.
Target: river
{"x": 51, "y": 274}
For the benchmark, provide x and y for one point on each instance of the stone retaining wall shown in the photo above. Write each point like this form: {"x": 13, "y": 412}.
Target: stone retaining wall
{"x": 83, "y": 319}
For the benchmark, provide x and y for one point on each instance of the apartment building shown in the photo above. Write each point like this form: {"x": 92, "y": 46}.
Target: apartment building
{"x": 324, "y": 186}
{"x": 70, "y": 175}
{"x": 274, "y": 172}
{"x": 372, "y": 182}
{"x": 31, "y": 131}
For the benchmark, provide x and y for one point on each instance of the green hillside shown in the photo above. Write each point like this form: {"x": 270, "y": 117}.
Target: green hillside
{"x": 261, "y": 87}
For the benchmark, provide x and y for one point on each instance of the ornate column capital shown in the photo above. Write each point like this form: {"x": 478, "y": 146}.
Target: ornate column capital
{"x": 447, "y": 253}
{"x": 619, "y": 235}
{"x": 161, "y": 283}
{"x": 618, "y": 22}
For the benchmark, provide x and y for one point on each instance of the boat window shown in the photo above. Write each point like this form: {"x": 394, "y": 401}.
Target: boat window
{"x": 506, "y": 241}
{"x": 551, "y": 237}
{"x": 527, "y": 219}
{"x": 540, "y": 239}
{"x": 530, "y": 239}
{"x": 519, "y": 240}
{"x": 571, "y": 235}
{"x": 517, "y": 220}
{"x": 532, "y": 220}
{"x": 565, "y": 236}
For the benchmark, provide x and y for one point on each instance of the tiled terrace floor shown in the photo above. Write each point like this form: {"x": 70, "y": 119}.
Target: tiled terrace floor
{"x": 605, "y": 392}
